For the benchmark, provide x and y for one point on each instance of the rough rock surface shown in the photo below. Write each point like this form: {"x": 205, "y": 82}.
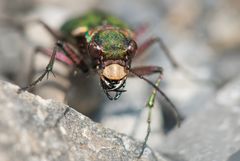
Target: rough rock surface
{"x": 36, "y": 129}
{"x": 213, "y": 133}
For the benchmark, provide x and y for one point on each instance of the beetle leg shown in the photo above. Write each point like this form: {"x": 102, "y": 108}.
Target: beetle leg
{"x": 56, "y": 34}
{"x": 145, "y": 70}
{"x": 79, "y": 63}
{"x": 148, "y": 43}
{"x": 148, "y": 70}
{"x": 191, "y": 75}
{"x": 60, "y": 56}
{"x": 74, "y": 57}
{"x": 48, "y": 70}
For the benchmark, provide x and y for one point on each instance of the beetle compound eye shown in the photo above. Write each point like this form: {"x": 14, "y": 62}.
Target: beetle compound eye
{"x": 94, "y": 50}
{"x": 132, "y": 47}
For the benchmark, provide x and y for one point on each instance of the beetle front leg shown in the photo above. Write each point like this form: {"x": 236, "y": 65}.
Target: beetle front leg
{"x": 79, "y": 63}
{"x": 60, "y": 57}
{"x": 48, "y": 70}
{"x": 162, "y": 45}
{"x": 149, "y": 105}
{"x": 149, "y": 70}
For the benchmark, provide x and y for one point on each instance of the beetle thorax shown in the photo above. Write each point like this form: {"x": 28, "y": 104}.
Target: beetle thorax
{"x": 112, "y": 42}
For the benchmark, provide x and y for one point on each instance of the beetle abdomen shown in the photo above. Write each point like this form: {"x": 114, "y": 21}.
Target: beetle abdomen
{"x": 90, "y": 20}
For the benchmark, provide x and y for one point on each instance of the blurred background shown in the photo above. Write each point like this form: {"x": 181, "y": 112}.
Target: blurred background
{"x": 203, "y": 36}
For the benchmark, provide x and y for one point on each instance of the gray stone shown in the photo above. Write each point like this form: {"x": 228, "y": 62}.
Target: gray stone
{"x": 213, "y": 133}
{"x": 36, "y": 129}
{"x": 200, "y": 34}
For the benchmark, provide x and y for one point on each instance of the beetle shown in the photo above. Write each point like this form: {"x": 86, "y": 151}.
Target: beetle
{"x": 105, "y": 44}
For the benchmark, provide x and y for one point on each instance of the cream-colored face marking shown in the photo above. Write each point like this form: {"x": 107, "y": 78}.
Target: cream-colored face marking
{"x": 79, "y": 30}
{"x": 114, "y": 72}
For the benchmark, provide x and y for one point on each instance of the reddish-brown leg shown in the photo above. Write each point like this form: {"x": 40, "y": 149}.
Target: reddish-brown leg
{"x": 75, "y": 58}
{"x": 148, "y": 70}
{"x": 60, "y": 56}
{"x": 66, "y": 48}
{"x": 79, "y": 63}
{"x": 145, "y": 70}
{"x": 148, "y": 43}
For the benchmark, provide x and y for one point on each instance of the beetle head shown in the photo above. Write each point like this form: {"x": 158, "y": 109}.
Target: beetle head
{"x": 112, "y": 51}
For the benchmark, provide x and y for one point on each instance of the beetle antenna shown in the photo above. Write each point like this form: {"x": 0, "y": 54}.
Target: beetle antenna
{"x": 173, "y": 107}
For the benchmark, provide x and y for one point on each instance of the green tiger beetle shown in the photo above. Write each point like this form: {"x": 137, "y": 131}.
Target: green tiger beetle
{"x": 105, "y": 44}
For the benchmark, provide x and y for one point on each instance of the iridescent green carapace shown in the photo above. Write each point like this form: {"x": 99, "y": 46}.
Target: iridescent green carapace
{"x": 109, "y": 32}
{"x": 114, "y": 44}
{"x": 91, "y": 20}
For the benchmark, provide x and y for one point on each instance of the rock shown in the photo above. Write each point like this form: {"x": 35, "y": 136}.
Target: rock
{"x": 213, "y": 133}
{"x": 203, "y": 37}
{"x": 36, "y": 129}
